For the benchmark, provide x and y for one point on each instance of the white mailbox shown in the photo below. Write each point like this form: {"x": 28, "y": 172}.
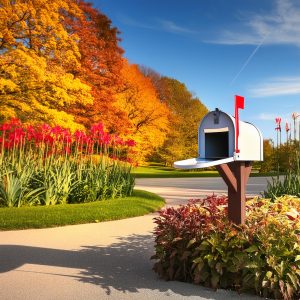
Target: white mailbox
{"x": 230, "y": 145}
{"x": 217, "y": 142}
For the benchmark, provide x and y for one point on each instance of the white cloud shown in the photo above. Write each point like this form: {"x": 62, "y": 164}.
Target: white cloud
{"x": 159, "y": 25}
{"x": 277, "y": 87}
{"x": 131, "y": 22}
{"x": 266, "y": 117}
{"x": 170, "y": 26}
{"x": 281, "y": 26}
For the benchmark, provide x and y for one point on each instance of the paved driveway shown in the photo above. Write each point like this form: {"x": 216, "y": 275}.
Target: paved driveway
{"x": 178, "y": 190}
{"x": 107, "y": 260}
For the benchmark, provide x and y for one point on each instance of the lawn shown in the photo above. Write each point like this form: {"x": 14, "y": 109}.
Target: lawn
{"x": 140, "y": 203}
{"x": 160, "y": 171}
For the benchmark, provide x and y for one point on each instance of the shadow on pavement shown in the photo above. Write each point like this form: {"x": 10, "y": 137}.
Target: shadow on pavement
{"x": 124, "y": 266}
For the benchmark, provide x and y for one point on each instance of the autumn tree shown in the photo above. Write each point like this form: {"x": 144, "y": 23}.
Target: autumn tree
{"x": 149, "y": 118}
{"x": 100, "y": 67}
{"x": 60, "y": 62}
{"x": 186, "y": 113}
{"x": 36, "y": 57}
{"x": 268, "y": 164}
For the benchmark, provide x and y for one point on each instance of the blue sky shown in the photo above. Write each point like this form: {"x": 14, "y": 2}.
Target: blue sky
{"x": 219, "y": 48}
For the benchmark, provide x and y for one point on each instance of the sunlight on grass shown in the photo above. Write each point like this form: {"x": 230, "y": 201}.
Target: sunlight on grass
{"x": 140, "y": 203}
{"x": 159, "y": 171}
{"x": 155, "y": 170}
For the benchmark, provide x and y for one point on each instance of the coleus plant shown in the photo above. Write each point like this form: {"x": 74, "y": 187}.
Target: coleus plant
{"x": 196, "y": 243}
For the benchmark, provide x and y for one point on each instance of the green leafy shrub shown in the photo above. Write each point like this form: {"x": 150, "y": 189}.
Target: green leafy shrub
{"x": 290, "y": 185}
{"x": 50, "y": 165}
{"x": 196, "y": 243}
{"x": 62, "y": 181}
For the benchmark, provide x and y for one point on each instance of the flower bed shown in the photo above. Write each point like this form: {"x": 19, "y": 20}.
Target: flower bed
{"x": 196, "y": 243}
{"x": 50, "y": 165}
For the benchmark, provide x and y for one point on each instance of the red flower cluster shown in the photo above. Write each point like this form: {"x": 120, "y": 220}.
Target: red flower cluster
{"x": 278, "y": 122}
{"x": 59, "y": 140}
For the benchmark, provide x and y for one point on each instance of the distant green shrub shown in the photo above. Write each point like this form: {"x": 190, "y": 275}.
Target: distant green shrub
{"x": 50, "y": 165}
{"x": 290, "y": 184}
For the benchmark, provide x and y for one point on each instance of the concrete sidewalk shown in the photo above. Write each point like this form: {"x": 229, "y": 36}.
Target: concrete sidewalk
{"x": 109, "y": 260}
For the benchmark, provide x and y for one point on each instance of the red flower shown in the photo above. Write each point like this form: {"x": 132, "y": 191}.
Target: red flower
{"x": 278, "y": 120}
{"x": 46, "y": 127}
{"x": 287, "y": 127}
{"x": 106, "y": 139}
{"x": 97, "y": 130}
{"x": 5, "y": 127}
{"x": 79, "y": 135}
{"x": 130, "y": 143}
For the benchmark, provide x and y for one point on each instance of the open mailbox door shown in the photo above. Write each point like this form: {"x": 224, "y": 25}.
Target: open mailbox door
{"x": 198, "y": 163}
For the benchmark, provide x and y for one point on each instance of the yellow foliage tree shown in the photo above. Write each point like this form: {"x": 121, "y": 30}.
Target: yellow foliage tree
{"x": 36, "y": 57}
{"x": 186, "y": 113}
{"x": 149, "y": 118}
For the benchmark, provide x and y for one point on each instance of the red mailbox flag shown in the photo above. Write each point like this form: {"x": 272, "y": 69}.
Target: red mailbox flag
{"x": 239, "y": 104}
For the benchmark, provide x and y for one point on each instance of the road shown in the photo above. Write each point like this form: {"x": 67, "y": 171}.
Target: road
{"x": 179, "y": 190}
{"x": 108, "y": 260}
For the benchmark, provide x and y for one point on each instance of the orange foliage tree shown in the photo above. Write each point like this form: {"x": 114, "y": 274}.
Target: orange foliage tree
{"x": 60, "y": 62}
{"x": 186, "y": 113}
{"x": 100, "y": 67}
{"x": 149, "y": 118}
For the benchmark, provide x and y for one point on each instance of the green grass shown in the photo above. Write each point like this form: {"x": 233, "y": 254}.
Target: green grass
{"x": 140, "y": 203}
{"x": 159, "y": 171}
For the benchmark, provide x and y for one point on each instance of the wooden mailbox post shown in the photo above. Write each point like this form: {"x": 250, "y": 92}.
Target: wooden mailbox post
{"x": 236, "y": 175}
{"x": 230, "y": 145}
